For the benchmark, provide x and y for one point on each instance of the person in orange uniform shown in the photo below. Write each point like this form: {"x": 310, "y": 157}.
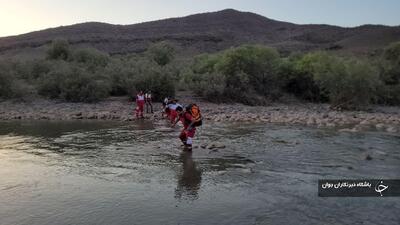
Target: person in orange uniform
{"x": 140, "y": 101}
{"x": 189, "y": 130}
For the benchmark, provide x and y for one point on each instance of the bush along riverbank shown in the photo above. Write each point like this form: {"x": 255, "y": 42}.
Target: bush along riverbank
{"x": 386, "y": 119}
{"x": 248, "y": 74}
{"x": 241, "y": 84}
{"x": 257, "y": 74}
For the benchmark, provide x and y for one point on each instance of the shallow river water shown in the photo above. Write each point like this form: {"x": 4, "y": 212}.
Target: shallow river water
{"x": 136, "y": 173}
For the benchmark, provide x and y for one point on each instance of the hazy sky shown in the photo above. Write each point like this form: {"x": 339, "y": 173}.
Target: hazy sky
{"x": 21, "y": 16}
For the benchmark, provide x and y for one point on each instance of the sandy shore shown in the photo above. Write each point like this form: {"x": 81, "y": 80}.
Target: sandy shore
{"x": 380, "y": 118}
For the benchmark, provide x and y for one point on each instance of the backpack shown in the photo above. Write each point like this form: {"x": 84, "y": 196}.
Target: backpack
{"x": 194, "y": 111}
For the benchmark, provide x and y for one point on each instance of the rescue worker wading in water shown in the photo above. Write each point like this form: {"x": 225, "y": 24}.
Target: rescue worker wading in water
{"x": 190, "y": 118}
{"x": 172, "y": 113}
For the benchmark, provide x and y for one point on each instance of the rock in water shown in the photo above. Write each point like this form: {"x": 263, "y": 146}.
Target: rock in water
{"x": 353, "y": 130}
{"x": 219, "y": 145}
{"x": 380, "y": 126}
{"x": 164, "y": 129}
{"x": 210, "y": 146}
{"x": 216, "y": 145}
{"x": 391, "y": 130}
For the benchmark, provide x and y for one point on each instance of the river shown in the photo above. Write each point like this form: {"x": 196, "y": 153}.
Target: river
{"x": 88, "y": 172}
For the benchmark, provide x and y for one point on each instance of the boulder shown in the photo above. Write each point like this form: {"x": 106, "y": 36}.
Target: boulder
{"x": 391, "y": 129}
{"x": 380, "y": 126}
{"x": 91, "y": 116}
{"x": 348, "y": 130}
{"x": 330, "y": 125}
{"x": 215, "y": 145}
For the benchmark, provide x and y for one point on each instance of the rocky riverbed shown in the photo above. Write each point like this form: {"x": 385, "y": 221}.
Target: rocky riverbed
{"x": 385, "y": 119}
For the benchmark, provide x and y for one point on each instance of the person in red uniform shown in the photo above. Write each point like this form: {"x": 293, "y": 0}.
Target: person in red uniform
{"x": 173, "y": 114}
{"x": 189, "y": 130}
{"x": 166, "y": 110}
{"x": 140, "y": 101}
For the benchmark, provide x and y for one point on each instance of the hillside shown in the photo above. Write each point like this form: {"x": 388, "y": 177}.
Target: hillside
{"x": 206, "y": 32}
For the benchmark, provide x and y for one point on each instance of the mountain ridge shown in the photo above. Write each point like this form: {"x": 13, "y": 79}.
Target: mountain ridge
{"x": 208, "y": 32}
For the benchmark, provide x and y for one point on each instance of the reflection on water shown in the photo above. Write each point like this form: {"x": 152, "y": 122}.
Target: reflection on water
{"x": 136, "y": 173}
{"x": 189, "y": 178}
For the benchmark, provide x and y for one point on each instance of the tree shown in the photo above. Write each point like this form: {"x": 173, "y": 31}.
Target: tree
{"x": 6, "y": 77}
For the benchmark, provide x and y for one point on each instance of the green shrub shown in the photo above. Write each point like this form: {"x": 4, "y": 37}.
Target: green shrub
{"x": 12, "y": 85}
{"x": 298, "y": 80}
{"x": 251, "y": 68}
{"x": 118, "y": 73}
{"x": 242, "y": 74}
{"x": 205, "y": 63}
{"x": 39, "y": 68}
{"x": 389, "y": 95}
{"x": 389, "y": 63}
{"x": 81, "y": 86}
{"x": 154, "y": 78}
{"x": 73, "y": 83}
{"x": 49, "y": 84}
{"x": 6, "y": 79}
{"x": 392, "y": 53}
{"x": 22, "y": 90}
{"x": 91, "y": 58}
{"x": 211, "y": 86}
{"x": 129, "y": 75}
{"x": 349, "y": 83}
{"x": 162, "y": 53}
{"x": 249, "y": 74}
{"x": 59, "y": 50}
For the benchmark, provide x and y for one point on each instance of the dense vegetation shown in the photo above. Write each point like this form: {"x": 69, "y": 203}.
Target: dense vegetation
{"x": 250, "y": 74}
{"x": 88, "y": 75}
{"x": 253, "y": 74}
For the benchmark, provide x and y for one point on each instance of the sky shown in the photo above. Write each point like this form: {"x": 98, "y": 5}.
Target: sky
{"x": 22, "y": 16}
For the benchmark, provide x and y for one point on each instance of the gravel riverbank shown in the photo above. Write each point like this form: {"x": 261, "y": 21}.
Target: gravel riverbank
{"x": 379, "y": 118}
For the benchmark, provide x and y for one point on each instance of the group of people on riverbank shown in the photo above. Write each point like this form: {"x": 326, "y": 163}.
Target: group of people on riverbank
{"x": 189, "y": 115}
{"x": 143, "y": 99}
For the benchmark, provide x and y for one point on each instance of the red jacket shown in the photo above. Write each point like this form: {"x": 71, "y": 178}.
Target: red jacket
{"x": 186, "y": 119}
